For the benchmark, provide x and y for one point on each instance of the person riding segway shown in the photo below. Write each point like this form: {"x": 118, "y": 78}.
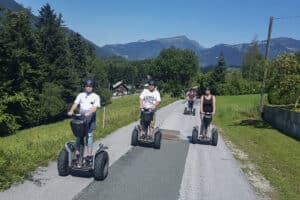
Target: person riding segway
{"x": 146, "y": 132}
{"x": 191, "y": 98}
{"x": 83, "y": 125}
{"x": 207, "y": 110}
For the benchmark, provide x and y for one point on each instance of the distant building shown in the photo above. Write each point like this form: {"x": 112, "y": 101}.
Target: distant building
{"x": 120, "y": 89}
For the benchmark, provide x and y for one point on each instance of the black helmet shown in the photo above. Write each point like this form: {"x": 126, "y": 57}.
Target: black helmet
{"x": 207, "y": 88}
{"x": 89, "y": 82}
{"x": 152, "y": 82}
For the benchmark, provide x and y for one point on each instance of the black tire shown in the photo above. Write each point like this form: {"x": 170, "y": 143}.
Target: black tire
{"x": 185, "y": 110}
{"x": 63, "y": 163}
{"x": 157, "y": 140}
{"x": 214, "y": 137}
{"x": 194, "y": 111}
{"x": 134, "y": 137}
{"x": 195, "y": 136}
{"x": 101, "y": 166}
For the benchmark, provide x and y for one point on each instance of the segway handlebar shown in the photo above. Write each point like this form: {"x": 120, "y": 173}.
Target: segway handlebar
{"x": 207, "y": 115}
{"x": 77, "y": 116}
{"x": 146, "y": 110}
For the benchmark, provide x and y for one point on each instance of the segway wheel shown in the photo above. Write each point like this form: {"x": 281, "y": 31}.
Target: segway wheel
{"x": 134, "y": 137}
{"x": 101, "y": 166}
{"x": 185, "y": 110}
{"x": 214, "y": 137}
{"x": 63, "y": 163}
{"x": 194, "y": 111}
{"x": 157, "y": 140}
{"x": 194, "y": 136}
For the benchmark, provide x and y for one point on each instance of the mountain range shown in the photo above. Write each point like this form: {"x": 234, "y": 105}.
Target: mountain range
{"x": 144, "y": 49}
{"x": 208, "y": 56}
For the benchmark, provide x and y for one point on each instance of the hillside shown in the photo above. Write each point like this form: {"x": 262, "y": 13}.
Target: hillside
{"x": 208, "y": 56}
{"x": 14, "y": 6}
{"x": 143, "y": 49}
{"x": 149, "y": 49}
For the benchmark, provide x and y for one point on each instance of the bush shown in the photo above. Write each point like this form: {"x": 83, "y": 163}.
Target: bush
{"x": 9, "y": 106}
{"x": 284, "y": 81}
{"x": 105, "y": 95}
{"x": 286, "y": 91}
{"x": 51, "y": 102}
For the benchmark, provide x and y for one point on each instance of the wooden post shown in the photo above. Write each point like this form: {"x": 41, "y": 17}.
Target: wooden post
{"x": 263, "y": 85}
{"x": 103, "y": 118}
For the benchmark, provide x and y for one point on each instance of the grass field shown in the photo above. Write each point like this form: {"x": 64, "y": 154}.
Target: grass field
{"x": 24, "y": 151}
{"x": 276, "y": 155}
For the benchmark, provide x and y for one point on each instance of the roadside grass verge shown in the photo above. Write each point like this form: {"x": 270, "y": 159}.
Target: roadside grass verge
{"x": 28, "y": 149}
{"x": 276, "y": 155}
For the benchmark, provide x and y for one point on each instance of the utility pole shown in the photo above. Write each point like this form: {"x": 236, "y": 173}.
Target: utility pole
{"x": 262, "y": 94}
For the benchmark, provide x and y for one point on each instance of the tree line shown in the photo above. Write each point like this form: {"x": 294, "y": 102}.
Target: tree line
{"x": 42, "y": 66}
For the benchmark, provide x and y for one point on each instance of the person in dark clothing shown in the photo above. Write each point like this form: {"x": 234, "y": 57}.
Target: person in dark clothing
{"x": 207, "y": 109}
{"x": 191, "y": 98}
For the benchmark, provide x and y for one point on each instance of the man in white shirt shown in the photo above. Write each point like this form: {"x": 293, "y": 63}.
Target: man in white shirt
{"x": 150, "y": 99}
{"x": 88, "y": 101}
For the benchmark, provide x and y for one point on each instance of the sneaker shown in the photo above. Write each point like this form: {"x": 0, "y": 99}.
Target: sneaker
{"x": 149, "y": 137}
{"x": 89, "y": 159}
{"x": 143, "y": 136}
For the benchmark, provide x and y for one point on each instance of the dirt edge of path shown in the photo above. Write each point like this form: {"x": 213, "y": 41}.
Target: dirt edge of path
{"x": 262, "y": 186}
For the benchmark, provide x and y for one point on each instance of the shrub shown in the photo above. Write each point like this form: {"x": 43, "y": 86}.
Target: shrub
{"x": 285, "y": 91}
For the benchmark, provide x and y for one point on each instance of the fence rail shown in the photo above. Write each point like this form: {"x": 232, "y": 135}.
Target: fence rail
{"x": 287, "y": 122}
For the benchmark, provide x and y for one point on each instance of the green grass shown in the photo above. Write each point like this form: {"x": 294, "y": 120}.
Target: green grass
{"x": 276, "y": 155}
{"x": 24, "y": 151}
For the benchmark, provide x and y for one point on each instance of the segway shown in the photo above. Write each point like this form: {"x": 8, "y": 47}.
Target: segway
{"x": 67, "y": 161}
{"x": 198, "y": 137}
{"x": 190, "y": 110}
{"x": 140, "y": 134}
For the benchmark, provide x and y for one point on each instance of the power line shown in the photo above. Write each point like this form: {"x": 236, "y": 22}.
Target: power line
{"x": 287, "y": 17}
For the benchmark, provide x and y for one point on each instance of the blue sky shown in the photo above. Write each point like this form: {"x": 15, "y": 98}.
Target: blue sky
{"x": 209, "y": 22}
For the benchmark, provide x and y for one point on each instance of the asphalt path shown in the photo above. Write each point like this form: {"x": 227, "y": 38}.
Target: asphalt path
{"x": 179, "y": 170}
{"x": 143, "y": 173}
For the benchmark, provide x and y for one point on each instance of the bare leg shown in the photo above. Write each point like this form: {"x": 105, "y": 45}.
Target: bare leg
{"x": 89, "y": 151}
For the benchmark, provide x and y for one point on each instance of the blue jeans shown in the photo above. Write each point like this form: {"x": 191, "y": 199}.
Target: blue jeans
{"x": 190, "y": 104}
{"x": 88, "y": 138}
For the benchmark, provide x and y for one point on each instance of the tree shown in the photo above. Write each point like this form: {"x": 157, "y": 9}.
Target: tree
{"x": 79, "y": 54}
{"x": 21, "y": 75}
{"x": 18, "y": 52}
{"x": 175, "y": 68}
{"x": 54, "y": 55}
{"x": 252, "y": 62}
{"x": 297, "y": 54}
{"x": 219, "y": 73}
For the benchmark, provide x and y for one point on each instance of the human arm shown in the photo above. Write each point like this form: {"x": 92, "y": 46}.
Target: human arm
{"x": 142, "y": 96}
{"x": 201, "y": 104}
{"x": 73, "y": 108}
{"x": 157, "y": 102}
{"x": 75, "y": 105}
{"x": 214, "y": 105}
{"x": 141, "y": 103}
{"x": 155, "y": 106}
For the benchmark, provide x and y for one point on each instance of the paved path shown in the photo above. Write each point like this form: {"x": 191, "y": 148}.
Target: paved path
{"x": 178, "y": 171}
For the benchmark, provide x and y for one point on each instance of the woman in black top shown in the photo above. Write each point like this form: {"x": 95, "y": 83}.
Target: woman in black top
{"x": 208, "y": 107}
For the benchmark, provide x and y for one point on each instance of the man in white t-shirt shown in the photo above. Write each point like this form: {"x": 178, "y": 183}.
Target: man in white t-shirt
{"x": 150, "y": 99}
{"x": 88, "y": 101}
